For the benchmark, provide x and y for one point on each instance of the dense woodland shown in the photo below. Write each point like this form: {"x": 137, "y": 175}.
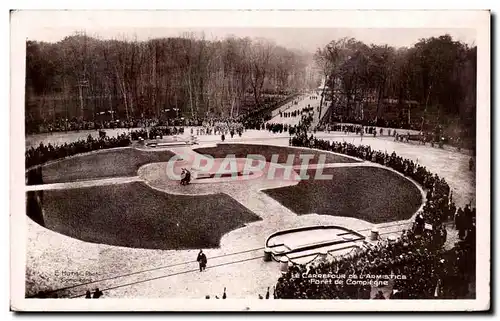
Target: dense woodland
{"x": 429, "y": 84}
{"x": 432, "y": 83}
{"x": 190, "y": 75}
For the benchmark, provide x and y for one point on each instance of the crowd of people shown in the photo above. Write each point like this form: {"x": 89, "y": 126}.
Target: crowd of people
{"x": 378, "y": 122}
{"x": 353, "y": 128}
{"x": 431, "y": 271}
{"x": 77, "y": 124}
{"x": 44, "y": 153}
{"x": 160, "y": 131}
{"x": 401, "y": 131}
{"x": 257, "y": 118}
{"x": 279, "y": 128}
{"x": 291, "y": 129}
{"x": 221, "y": 126}
{"x": 209, "y": 127}
{"x": 433, "y": 138}
{"x": 296, "y": 113}
{"x": 415, "y": 267}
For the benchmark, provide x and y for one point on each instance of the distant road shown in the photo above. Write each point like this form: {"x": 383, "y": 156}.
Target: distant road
{"x": 304, "y": 101}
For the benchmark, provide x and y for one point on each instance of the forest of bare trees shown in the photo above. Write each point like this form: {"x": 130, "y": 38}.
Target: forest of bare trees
{"x": 82, "y": 76}
{"x": 431, "y": 83}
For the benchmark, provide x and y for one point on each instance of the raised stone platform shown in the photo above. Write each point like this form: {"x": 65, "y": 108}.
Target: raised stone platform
{"x": 167, "y": 144}
{"x": 302, "y": 245}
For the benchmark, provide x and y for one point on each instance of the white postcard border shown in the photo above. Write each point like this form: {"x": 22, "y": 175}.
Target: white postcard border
{"x": 22, "y": 23}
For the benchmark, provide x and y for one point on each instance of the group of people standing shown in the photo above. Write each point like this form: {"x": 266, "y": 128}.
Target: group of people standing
{"x": 96, "y": 295}
{"x": 296, "y": 113}
{"x": 446, "y": 273}
{"x": 44, "y": 153}
{"x": 465, "y": 220}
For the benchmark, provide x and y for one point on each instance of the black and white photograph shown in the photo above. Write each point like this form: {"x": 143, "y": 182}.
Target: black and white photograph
{"x": 250, "y": 160}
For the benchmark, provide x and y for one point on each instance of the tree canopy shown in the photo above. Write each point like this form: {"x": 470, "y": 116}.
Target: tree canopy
{"x": 426, "y": 85}
{"x": 188, "y": 73}
{"x": 434, "y": 79}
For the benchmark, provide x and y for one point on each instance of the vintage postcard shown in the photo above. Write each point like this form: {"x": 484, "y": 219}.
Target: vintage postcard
{"x": 250, "y": 160}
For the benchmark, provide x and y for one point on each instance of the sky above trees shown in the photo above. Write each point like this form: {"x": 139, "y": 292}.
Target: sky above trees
{"x": 307, "y": 39}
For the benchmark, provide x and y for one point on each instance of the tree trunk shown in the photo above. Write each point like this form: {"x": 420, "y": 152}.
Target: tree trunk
{"x": 110, "y": 103}
{"x": 323, "y": 91}
{"x": 190, "y": 90}
{"x": 379, "y": 99}
{"x": 425, "y": 109}
{"x": 123, "y": 92}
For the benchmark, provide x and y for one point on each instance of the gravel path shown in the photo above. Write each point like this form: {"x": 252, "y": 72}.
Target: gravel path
{"x": 304, "y": 102}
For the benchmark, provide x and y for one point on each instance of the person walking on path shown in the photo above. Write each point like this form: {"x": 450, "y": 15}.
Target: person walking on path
{"x": 97, "y": 294}
{"x": 202, "y": 260}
